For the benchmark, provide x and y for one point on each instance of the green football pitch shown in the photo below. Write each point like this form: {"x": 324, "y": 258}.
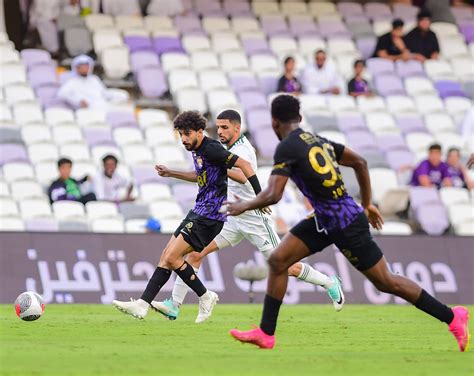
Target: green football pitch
{"x": 311, "y": 340}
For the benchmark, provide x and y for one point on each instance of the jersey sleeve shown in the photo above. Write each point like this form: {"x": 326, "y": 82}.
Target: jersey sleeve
{"x": 216, "y": 154}
{"x": 284, "y": 159}
{"x": 338, "y": 150}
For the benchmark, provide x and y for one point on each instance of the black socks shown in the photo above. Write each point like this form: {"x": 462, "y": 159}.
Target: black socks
{"x": 156, "y": 282}
{"x": 434, "y": 308}
{"x": 271, "y": 307}
{"x": 187, "y": 274}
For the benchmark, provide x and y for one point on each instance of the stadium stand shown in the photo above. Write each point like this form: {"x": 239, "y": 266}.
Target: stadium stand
{"x": 221, "y": 55}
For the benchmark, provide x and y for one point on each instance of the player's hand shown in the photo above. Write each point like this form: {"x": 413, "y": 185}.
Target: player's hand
{"x": 163, "y": 171}
{"x": 470, "y": 162}
{"x": 266, "y": 210}
{"x": 375, "y": 218}
{"x": 234, "y": 208}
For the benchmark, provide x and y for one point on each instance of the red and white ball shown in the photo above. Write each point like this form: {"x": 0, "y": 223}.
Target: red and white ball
{"x": 29, "y": 306}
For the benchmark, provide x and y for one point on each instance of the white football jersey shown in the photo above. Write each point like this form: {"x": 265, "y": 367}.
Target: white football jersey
{"x": 244, "y": 149}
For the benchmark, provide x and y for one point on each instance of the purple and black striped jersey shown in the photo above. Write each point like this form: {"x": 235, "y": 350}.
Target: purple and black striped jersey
{"x": 211, "y": 161}
{"x": 311, "y": 162}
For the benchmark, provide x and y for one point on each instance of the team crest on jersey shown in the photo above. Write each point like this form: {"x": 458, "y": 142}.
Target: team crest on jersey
{"x": 199, "y": 161}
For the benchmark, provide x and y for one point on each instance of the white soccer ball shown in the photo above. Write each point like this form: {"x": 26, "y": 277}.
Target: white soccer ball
{"x": 29, "y": 306}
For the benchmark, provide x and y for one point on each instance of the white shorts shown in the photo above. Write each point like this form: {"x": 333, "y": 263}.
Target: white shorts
{"x": 254, "y": 226}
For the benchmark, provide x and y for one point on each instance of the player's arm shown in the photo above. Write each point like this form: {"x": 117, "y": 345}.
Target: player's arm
{"x": 351, "y": 159}
{"x": 271, "y": 195}
{"x": 249, "y": 174}
{"x": 182, "y": 175}
{"x": 237, "y": 175}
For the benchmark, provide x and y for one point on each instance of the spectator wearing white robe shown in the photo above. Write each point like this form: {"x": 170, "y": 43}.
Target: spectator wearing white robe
{"x": 83, "y": 89}
{"x": 321, "y": 77}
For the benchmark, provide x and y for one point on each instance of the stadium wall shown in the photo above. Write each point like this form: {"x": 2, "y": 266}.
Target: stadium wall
{"x": 97, "y": 268}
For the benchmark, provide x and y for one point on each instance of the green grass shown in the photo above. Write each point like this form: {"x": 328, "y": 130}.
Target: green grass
{"x": 312, "y": 340}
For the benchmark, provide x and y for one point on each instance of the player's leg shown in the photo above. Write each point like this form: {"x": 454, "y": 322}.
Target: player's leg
{"x": 363, "y": 252}
{"x": 295, "y": 246}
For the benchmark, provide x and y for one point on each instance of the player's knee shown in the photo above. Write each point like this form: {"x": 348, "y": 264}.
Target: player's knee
{"x": 277, "y": 264}
{"x": 194, "y": 258}
{"x": 170, "y": 261}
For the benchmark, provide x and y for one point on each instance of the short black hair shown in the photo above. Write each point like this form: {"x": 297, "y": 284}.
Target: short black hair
{"x": 319, "y": 52}
{"x": 434, "y": 147}
{"x": 110, "y": 156}
{"x": 286, "y": 108}
{"x": 288, "y": 59}
{"x": 64, "y": 161}
{"x": 454, "y": 149}
{"x": 190, "y": 120}
{"x": 231, "y": 115}
{"x": 397, "y": 22}
{"x": 423, "y": 13}
{"x": 359, "y": 61}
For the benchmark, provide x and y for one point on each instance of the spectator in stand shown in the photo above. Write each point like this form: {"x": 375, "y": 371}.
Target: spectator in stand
{"x": 458, "y": 171}
{"x": 391, "y": 45}
{"x": 321, "y": 77}
{"x": 67, "y": 188}
{"x": 85, "y": 90}
{"x": 358, "y": 85}
{"x": 432, "y": 172}
{"x": 288, "y": 83}
{"x": 421, "y": 41}
{"x": 109, "y": 185}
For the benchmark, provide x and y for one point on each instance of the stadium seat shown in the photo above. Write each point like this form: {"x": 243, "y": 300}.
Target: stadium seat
{"x": 179, "y": 79}
{"x": 18, "y": 93}
{"x": 67, "y": 134}
{"x": 54, "y": 116}
{"x": 115, "y": 61}
{"x": 152, "y": 82}
{"x": 396, "y": 229}
{"x": 234, "y": 61}
{"x": 12, "y": 73}
{"x": 419, "y": 86}
{"x": 66, "y": 210}
{"x": 108, "y": 225}
{"x": 169, "y": 225}
{"x": 101, "y": 209}
{"x": 165, "y": 209}
{"x": 150, "y": 192}
{"x": 259, "y": 63}
{"x": 213, "y": 24}
{"x": 201, "y": 60}
{"x": 170, "y": 155}
{"x": 99, "y": 21}
{"x": 86, "y": 116}
{"x": 465, "y": 228}
{"x": 25, "y": 113}
{"x": 174, "y": 60}
{"x": 126, "y": 136}
{"x": 439, "y": 122}
{"x": 191, "y": 99}
{"x": 35, "y": 208}
{"x": 137, "y": 154}
{"x": 11, "y": 224}
{"x": 16, "y": 171}
{"x": 75, "y": 151}
{"x": 428, "y": 104}
{"x": 135, "y": 226}
{"x": 46, "y": 172}
{"x": 26, "y": 189}
{"x": 78, "y": 41}
{"x": 457, "y": 105}
{"x": 100, "y": 151}
{"x": 370, "y": 104}
{"x": 8, "y": 208}
{"x": 45, "y": 152}
{"x": 123, "y": 22}
{"x": 381, "y": 123}
{"x": 41, "y": 224}
{"x": 106, "y": 38}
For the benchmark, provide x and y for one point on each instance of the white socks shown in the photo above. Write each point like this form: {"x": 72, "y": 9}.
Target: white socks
{"x": 180, "y": 289}
{"x": 311, "y": 275}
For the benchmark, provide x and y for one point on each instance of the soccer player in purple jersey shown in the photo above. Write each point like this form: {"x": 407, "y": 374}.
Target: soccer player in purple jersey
{"x": 312, "y": 163}
{"x": 203, "y": 223}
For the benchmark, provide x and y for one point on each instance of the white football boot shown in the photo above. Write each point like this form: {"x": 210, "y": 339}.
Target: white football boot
{"x": 206, "y": 305}
{"x": 136, "y": 308}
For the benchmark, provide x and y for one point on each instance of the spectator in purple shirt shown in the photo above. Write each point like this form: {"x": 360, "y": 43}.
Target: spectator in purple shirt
{"x": 288, "y": 83}
{"x": 432, "y": 172}
{"x": 358, "y": 86}
{"x": 458, "y": 170}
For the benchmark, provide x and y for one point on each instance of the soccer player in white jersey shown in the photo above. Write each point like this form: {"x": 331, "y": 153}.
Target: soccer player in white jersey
{"x": 256, "y": 225}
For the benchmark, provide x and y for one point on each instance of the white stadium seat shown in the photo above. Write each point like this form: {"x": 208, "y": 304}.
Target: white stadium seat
{"x": 165, "y": 209}
{"x": 64, "y": 210}
{"x": 35, "y": 208}
{"x": 54, "y": 116}
{"x": 108, "y": 225}
{"x": 8, "y": 207}
{"x": 101, "y": 209}
{"x": 150, "y": 192}
{"x": 26, "y": 189}
{"x": 35, "y": 134}
{"x": 11, "y": 224}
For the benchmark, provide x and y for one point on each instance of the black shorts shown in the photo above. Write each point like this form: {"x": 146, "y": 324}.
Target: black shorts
{"x": 355, "y": 241}
{"x": 198, "y": 231}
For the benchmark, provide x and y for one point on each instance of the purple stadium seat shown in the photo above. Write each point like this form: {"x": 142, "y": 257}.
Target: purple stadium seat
{"x": 243, "y": 83}
{"x": 353, "y": 18}
{"x": 268, "y": 84}
{"x": 400, "y": 158}
{"x": 467, "y": 29}
{"x": 258, "y": 119}
{"x": 375, "y": 158}
{"x": 167, "y": 44}
{"x": 405, "y": 11}
{"x": 251, "y": 100}
{"x": 420, "y": 196}
{"x": 377, "y": 11}
{"x": 389, "y": 85}
{"x": 409, "y": 68}
{"x": 361, "y": 140}
{"x": 254, "y": 46}
{"x": 462, "y": 14}
{"x": 391, "y": 142}
{"x": 147, "y": 174}
{"x": 142, "y": 59}
{"x": 47, "y": 94}
{"x": 138, "y": 43}
{"x": 208, "y": 7}
{"x": 32, "y": 56}
{"x": 40, "y": 75}
{"x": 184, "y": 193}
{"x": 266, "y": 142}
{"x": 12, "y": 153}
{"x": 98, "y": 136}
{"x": 186, "y": 24}
{"x": 410, "y": 123}
{"x": 433, "y": 218}
{"x": 237, "y": 8}
{"x": 351, "y": 122}
{"x": 366, "y": 45}
{"x": 274, "y": 26}
{"x": 41, "y": 224}
{"x": 349, "y": 8}
{"x": 121, "y": 119}
{"x": 377, "y": 66}
{"x": 301, "y": 28}
{"x": 329, "y": 28}
{"x": 152, "y": 82}
{"x": 447, "y": 89}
